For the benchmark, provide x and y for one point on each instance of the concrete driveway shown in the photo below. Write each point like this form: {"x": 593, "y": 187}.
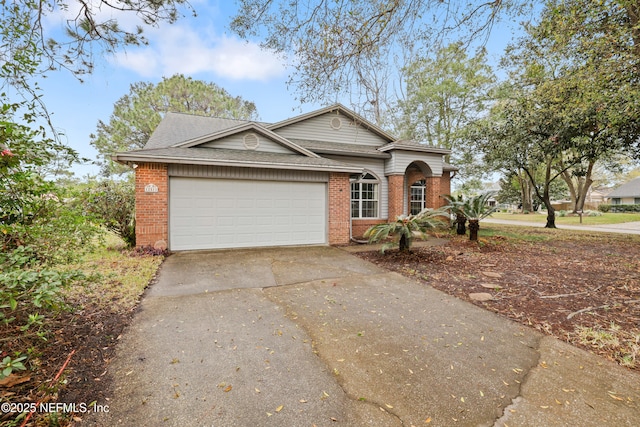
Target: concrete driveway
{"x": 315, "y": 336}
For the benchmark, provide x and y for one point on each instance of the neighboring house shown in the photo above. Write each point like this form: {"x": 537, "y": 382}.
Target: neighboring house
{"x": 318, "y": 178}
{"x": 626, "y": 194}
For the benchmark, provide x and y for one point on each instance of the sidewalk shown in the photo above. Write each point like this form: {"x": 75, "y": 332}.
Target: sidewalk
{"x": 624, "y": 228}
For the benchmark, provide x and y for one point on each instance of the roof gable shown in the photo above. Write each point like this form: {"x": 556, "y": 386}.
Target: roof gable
{"x": 178, "y": 127}
{"x": 336, "y": 124}
{"x": 237, "y": 138}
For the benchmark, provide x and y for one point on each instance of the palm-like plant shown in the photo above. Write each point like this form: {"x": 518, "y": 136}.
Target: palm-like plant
{"x": 454, "y": 207}
{"x": 404, "y": 229}
{"x": 474, "y": 209}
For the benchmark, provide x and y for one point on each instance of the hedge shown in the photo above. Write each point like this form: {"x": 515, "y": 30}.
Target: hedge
{"x": 619, "y": 208}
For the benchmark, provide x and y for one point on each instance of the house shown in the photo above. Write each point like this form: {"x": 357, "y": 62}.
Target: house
{"x": 627, "y": 194}
{"x": 318, "y": 178}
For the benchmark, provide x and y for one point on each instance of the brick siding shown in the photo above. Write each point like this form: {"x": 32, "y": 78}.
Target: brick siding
{"x": 396, "y": 194}
{"x": 339, "y": 208}
{"x": 152, "y": 213}
{"x": 445, "y": 187}
{"x": 359, "y": 226}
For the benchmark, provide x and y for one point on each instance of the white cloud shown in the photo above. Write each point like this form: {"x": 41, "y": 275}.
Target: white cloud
{"x": 179, "y": 49}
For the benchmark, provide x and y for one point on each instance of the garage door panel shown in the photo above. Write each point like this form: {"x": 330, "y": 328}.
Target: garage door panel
{"x": 217, "y": 213}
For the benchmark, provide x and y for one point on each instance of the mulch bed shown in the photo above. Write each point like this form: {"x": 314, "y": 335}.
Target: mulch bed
{"x": 91, "y": 336}
{"x": 558, "y": 286}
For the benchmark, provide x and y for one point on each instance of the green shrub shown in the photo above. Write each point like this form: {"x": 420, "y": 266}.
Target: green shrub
{"x": 623, "y": 208}
{"x": 604, "y": 207}
{"x": 27, "y": 288}
{"x": 114, "y": 203}
{"x": 592, "y": 213}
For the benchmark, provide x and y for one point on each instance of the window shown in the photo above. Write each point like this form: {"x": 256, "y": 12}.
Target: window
{"x": 636, "y": 200}
{"x": 615, "y": 201}
{"x": 417, "y": 200}
{"x": 364, "y": 196}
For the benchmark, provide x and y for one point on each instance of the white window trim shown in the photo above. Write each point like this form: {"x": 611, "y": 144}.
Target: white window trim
{"x": 421, "y": 185}
{"x": 375, "y": 180}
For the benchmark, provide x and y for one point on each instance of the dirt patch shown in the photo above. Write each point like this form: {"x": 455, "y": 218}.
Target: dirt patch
{"x": 581, "y": 288}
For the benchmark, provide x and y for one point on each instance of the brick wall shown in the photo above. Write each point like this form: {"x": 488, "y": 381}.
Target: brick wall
{"x": 359, "y": 226}
{"x": 445, "y": 187}
{"x": 396, "y": 195}
{"x": 339, "y": 208}
{"x": 433, "y": 197}
{"x": 152, "y": 208}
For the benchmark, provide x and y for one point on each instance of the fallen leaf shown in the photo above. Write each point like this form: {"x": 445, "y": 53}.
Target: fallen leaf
{"x": 228, "y": 388}
{"x": 428, "y": 420}
{"x": 279, "y": 408}
{"x": 13, "y": 379}
{"x": 302, "y": 401}
{"x": 388, "y": 406}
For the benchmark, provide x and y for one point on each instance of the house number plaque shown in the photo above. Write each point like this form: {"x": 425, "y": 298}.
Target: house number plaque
{"x": 150, "y": 188}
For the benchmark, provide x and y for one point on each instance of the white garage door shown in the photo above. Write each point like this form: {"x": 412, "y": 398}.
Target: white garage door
{"x": 220, "y": 213}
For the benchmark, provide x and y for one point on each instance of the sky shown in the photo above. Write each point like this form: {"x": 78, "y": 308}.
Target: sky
{"x": 200, "y": 47}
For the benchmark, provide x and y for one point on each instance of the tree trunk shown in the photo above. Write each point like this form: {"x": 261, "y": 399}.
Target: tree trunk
{"x": 404, "y": 243}
{"x": 461, "y": 220}
{"x": 474, "y": 226}
{"x": 586, "y": 185}
{"x": 525, "y": 190}
{"x": 546, "y": 198}
{"x": 551, "y": 215}
{"x": 566, "y": 177}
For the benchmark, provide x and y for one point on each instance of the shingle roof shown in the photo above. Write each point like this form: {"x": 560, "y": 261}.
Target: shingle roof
{"x": 324, "y": 147}
{"x": 629, "y": 189}
{"x": 178, "y": 127}
{"x": 410, "y": 145}
{"x": 227, "y": 157}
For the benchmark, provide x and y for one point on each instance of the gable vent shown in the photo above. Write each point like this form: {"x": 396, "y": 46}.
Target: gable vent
{"x": 251, "y": 141}
{"x": 336, "y": 123}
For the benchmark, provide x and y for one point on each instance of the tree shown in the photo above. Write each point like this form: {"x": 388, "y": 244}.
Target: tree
{"x": 137, "y": 114}
{"x": 474, "y": 209}
{"x": 34, "y": 212}
{"x": 444, "y": 94}
{"x": 26, "y": 52}
{"x": 571, "y": 105}
{"x": 404, "y": 229}
{"x": 331, "y": 43}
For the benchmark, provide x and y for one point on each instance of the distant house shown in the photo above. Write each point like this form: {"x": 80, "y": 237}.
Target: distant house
{"x": 626, "y": 194}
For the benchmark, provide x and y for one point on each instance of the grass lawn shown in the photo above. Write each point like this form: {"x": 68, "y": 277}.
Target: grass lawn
{"x": 123, "y": 276}
{"x": 607, "y": 218}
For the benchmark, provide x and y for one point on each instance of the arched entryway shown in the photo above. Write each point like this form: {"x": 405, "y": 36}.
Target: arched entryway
{"x": 422, "y": 188}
